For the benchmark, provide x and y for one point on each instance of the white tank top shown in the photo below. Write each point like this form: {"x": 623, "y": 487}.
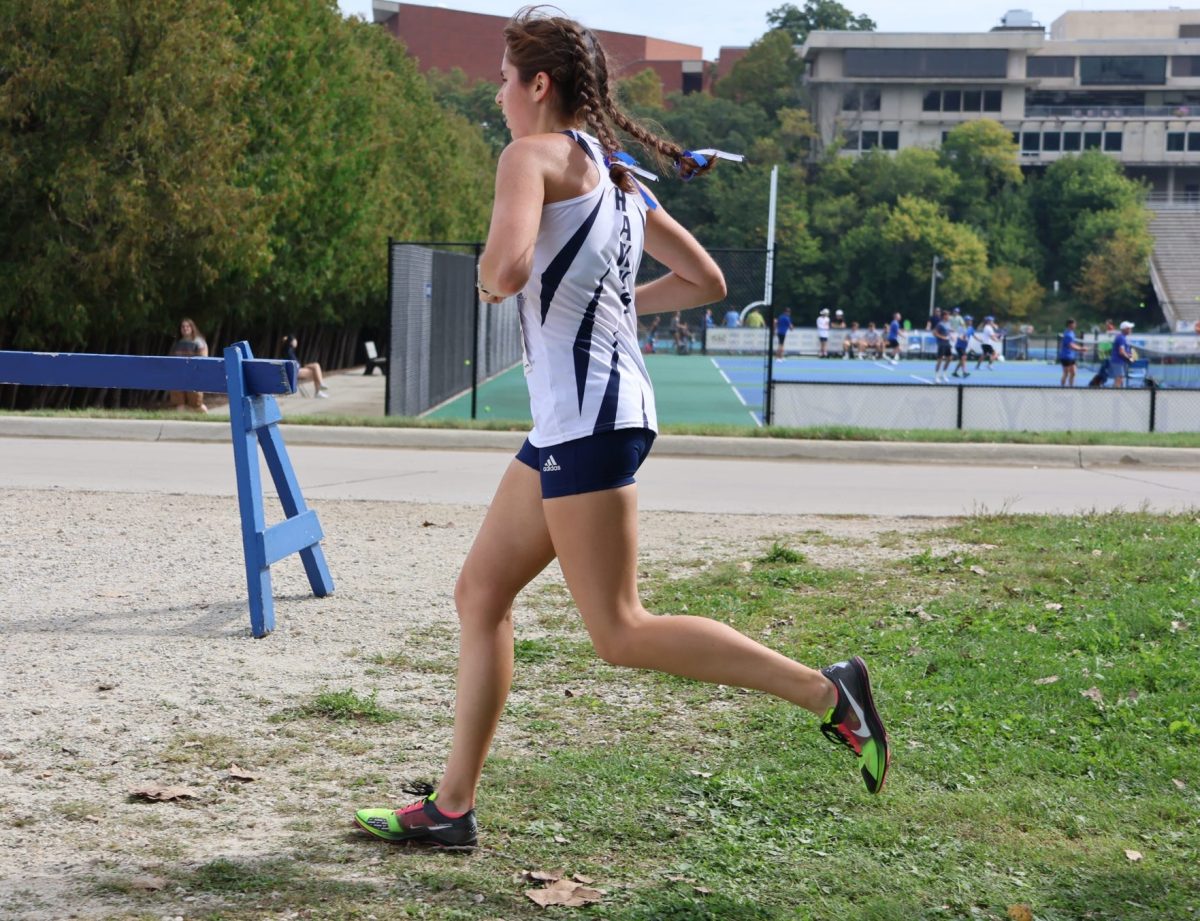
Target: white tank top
{"x": 583, "y": 366}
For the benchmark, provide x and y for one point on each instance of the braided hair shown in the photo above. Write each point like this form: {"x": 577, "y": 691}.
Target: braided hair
{"x": 537, "y": 42}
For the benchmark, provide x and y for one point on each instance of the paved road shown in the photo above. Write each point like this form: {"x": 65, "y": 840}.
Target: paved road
{"x": 700, "y": 484}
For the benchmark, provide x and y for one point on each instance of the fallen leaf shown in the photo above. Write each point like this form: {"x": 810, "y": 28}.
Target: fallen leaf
{"x": 1134, "y": 856}
{"x": 1093, "y": 693}
{"x": 580, "y": 878}
{"x": 1179, "y": 784}
{"x": 559, "y": 839}
{"x": 92, "y": 818}
{"x": 1177, "y": 625}
{"x": 158, "y": 794}
{"x": 1053, "y": 606}
{"x": 567, "y": 692}
{"x": 704, "y": 774}
{"x": 1132, "y": 696}
{"x": 1019, "y": 913}
{"x": 564, "y": 892}
{"x": 914, "y": 651}
{"x": 703, "y": 890}
{"x": 1049, "y": 679}
{"x": 979, "y": 570}
{"x": 1031, "y": 628}
{"x": 236, "y": 773}
{"x": 1097, "y": 553}
{"x": 924, "y": 615}
{"x": 543, "y": 876}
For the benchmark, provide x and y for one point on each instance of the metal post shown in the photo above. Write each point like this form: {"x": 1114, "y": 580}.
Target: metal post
{"x": 1153, "y": 405}
{"x": 391, "y": 309}
{"x": 768, "y": 294}
{"x": 478, "y": 248}
{"x": 933, "y": 280}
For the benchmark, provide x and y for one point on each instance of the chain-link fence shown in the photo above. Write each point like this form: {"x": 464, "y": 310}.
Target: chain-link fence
{"x": 443, "y": 341}
{"x": 982, "y": 408}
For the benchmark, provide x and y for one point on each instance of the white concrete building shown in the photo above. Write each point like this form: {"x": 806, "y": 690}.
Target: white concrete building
{"x": 1126, "y": 83}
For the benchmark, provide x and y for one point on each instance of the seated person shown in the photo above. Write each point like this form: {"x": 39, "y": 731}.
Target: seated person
{"x": 309, "y": 372}
{"x": 681, "y": 333}
{"x": 872, "y": 342}
{"x": 851, "y": 343}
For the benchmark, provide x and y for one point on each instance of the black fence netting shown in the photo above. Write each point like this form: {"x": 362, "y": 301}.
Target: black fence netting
{"x": 443, "y": 341}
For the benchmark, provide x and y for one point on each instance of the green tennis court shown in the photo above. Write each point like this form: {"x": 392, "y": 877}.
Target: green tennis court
{"x": 687, "y": 388}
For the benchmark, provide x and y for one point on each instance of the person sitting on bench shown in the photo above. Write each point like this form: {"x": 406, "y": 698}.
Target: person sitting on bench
{"x": 308, "y": 372}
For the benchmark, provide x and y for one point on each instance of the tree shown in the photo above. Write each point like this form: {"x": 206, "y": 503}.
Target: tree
{"x": 817, "y": 15}
{"x": 1013, "y": 292}
{"x": 1115, "y": 268}
{"x": 643, "y": 90}
{"x": 984, "y": 157}
{"x": 475, "y": 102}
{"x": 769, "y": 75}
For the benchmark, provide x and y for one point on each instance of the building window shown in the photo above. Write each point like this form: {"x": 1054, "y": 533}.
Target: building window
{"x": 1112, "y": 141}
{"x": 1185, "y": 66}
{"x": 1031, "y": 142}
{"x": 1071, "y": 140}
{"x": 1175, "y": 141}
{"x": 693, "y": 83}
{"x": 889, "y": 140}
{"x": 972, "y": 101}
{"x": 926, "y": 62}
{"x": 1123, "y": 69}
{"x": 1049, "y": 66}
{"x": 1189, "y": 31}
{"x": 866, "y": 99}
{"x": 991, "y": 100}
{"x": 1091, "y": 140}
{"x": 933, "y": 101}
{"x": 951, "y": 101}
{"x": 1052, "y": 141}
{"x": 870, "y": 139}
{"x": 1193, "y": 141}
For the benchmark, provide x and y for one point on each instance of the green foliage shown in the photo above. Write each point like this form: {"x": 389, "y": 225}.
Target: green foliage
{"x": 643, "y": 90}
{"x": 769, "y": 74}
{"x": 475, "y": 102}
{"x": 1013, "y": 291}
{"x": 817, "y": 15}
{"x": 239, "y": 161}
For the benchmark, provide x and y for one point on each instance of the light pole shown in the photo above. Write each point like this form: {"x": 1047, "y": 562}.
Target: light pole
{"x": 934, "y": 275}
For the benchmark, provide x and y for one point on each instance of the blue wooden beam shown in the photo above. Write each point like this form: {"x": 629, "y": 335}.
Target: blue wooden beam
{"x": 143, "y": 372}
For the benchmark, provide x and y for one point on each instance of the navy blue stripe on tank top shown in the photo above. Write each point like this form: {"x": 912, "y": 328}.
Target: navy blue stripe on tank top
{"x": 583, "y": 340}
{"x": 606, "y": 419}
{"x": 556, "y": 271}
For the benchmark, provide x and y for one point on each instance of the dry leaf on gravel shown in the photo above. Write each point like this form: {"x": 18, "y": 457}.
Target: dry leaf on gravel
{"x": 542, "y": 876}
{"x": 236, "y": 773}
{"x": 160, "y": 794}
{"x": 1134, "y": 856}
{"x": 565, "y": 892}
{"x": 1049, "y": 679}
{"x": 1019, "y": 913}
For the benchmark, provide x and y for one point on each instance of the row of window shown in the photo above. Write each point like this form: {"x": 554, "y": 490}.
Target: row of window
{"x": 1181, "y": 140}
{"x": 1068, "y": 141}
{"x": 1114, "y": 69}
{"x": 866, "y": 140}
{"x": 962, "y": 101}
{"x": 926, "y": 62}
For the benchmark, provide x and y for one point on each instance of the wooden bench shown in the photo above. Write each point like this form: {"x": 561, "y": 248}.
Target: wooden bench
{"x": 374, "y": 359}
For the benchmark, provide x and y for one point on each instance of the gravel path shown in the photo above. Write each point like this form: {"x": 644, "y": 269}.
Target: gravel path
{"x": 127, "y": 661}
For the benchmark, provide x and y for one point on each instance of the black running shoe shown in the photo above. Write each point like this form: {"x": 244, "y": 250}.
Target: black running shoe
{"x": 422, "y": 821}
{"x": 855, "y": 723}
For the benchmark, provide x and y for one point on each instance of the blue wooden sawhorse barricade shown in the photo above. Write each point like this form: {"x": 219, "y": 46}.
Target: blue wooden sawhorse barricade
{"x": 253, "y": 417}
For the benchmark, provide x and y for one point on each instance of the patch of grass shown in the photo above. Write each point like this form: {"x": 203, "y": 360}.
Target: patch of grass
{"x": 345, "y": 705}
{"x": 781, "y": 554}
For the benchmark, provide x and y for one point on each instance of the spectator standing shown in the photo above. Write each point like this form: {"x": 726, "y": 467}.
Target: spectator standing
{"x": 709, "y": 322}
{"x": 839, "y": 320}
{"x": 962, "y": 341}
{"x": 190, "y": 344}
{"x": 1068, "y": 353}
{"x": 893, "y": 340}
{"x": 732, "y": 318}
{"x": 1122, "y": 355}
{"x": 783, "y": 325}
{"x": 823, "y": 333}
{"x": 754, "y": 320}
{"x": 941, "y": 333}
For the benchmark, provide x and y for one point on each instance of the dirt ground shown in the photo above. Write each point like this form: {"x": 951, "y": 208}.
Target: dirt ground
{"x": 127, "y": 661}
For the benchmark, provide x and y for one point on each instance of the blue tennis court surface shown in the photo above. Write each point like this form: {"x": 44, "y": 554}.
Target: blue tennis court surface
{"x": 746, "y": 374}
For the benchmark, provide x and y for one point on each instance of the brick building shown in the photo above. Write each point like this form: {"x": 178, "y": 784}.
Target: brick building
{"x": 444, "y": 39}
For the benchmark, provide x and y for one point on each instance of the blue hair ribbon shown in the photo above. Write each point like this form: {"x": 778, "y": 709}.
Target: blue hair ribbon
{"x": 701, "y": 158}
{"x": 632, "y": 165}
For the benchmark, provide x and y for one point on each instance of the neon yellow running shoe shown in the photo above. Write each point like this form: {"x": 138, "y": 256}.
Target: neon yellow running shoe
{"x": 421, "y": 821}
{"x": 855, "y": 723}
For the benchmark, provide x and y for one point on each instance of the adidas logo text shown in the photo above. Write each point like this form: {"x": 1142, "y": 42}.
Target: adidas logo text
{"x": 551, "y": 465}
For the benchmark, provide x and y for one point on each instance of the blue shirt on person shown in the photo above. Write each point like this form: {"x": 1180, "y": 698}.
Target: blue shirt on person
{"x": 783, "y": 323}
{"x": 1120, "y": 343}
{"x": 732, "y": 318}
{"x": 1065, "y": 352}
{"x": 894, "y": 330}
{"x": 942, "y": 331}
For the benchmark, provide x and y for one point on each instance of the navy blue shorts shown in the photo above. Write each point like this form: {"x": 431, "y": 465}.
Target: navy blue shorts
{"x": 605, "y": 461}
{"x": 943, "y": 350}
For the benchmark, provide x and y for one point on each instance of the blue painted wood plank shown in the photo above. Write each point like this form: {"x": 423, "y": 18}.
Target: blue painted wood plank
{"x": 288, "y": 487}
{"x": 143, "y": 372}
{"x": 290, "y": 536}
{"x": 262, "y": 411}
{"x": 250, "y": 495}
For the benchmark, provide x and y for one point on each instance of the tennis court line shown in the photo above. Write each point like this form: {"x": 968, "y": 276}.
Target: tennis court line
{"x": 923, "y": 380}
{"x": 725, "y": 377}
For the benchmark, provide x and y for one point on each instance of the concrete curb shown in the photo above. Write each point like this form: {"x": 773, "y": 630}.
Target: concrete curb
{"x": 866, "y": 452}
